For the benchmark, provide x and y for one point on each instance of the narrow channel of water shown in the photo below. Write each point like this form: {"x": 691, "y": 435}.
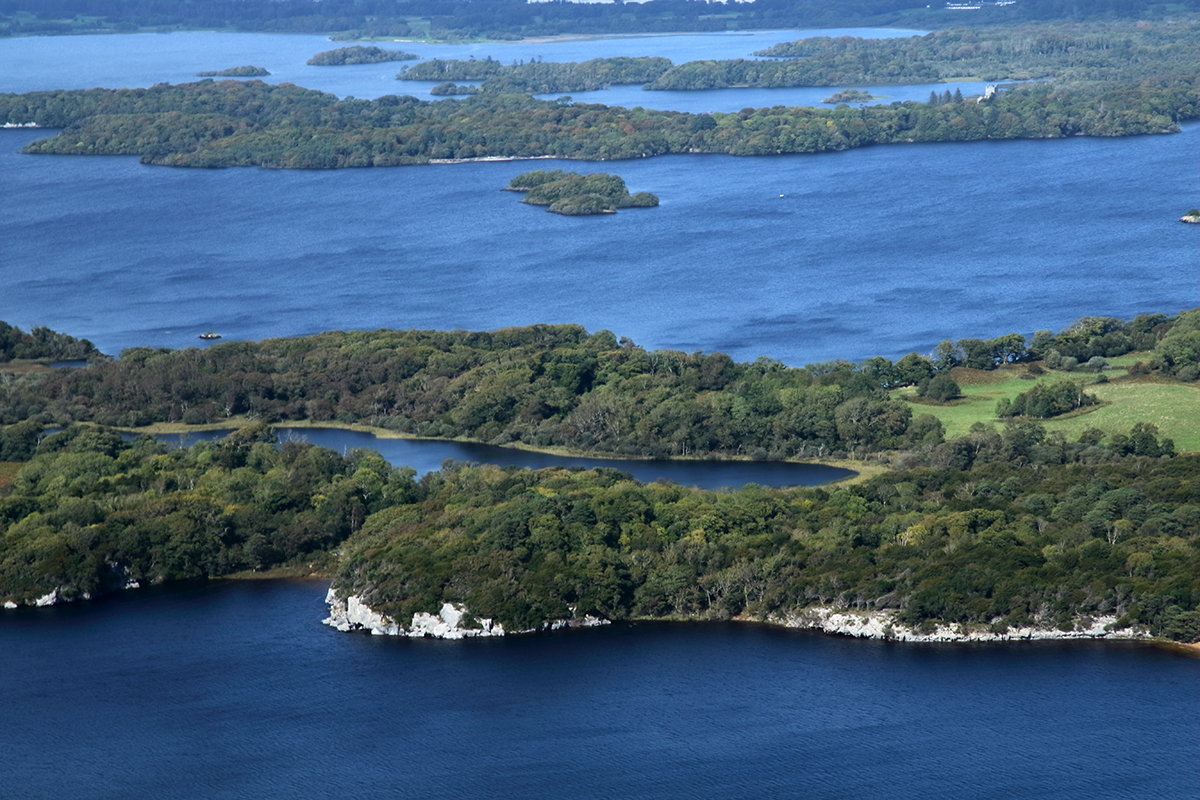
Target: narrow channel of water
{"x": 427, "y": 455}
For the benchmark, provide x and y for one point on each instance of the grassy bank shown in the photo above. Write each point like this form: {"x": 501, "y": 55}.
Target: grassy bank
{"x": 1124, "y": 400}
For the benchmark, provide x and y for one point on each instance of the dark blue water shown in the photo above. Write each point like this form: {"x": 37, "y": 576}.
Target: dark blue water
{"x": 236, "y": 691}
{"x": 878, "y": 251}
{"x": 427, "y": 455}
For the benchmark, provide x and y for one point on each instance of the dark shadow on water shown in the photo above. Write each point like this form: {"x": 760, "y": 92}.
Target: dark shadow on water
{"x": 427, "y": 455}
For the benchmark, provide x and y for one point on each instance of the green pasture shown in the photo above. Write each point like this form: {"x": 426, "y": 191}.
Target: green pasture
{"x": 1173, "y": 407}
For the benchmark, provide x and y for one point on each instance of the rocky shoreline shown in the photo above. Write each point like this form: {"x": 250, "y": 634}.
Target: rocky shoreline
{"x": 119, "y": 579}
{"x": 882, "y": 625}
{"x": 352, "y": 614}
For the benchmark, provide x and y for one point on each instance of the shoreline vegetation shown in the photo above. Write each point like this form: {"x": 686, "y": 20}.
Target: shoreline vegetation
{"x": 1010, "y": 532}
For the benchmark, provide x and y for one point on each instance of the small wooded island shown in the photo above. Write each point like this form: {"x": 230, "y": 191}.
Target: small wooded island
{"x": 575, "y": 195}
{"x": 236, "y": 72}
{"x": 849, "y": 96}
{"x": 358, "y": 54}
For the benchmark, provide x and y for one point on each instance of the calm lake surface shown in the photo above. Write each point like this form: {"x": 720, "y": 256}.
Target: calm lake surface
{"x": 879, "y": 251}
{"x": 237, "y": 691}
{"x": 427, "y": 455}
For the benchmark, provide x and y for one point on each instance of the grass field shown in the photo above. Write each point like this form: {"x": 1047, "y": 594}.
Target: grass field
{"x": 1173, "y": 407}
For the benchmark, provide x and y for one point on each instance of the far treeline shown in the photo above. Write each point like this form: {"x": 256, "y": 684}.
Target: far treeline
{"x": 1093, "y": 55}
{"x": 513, "y": 19}
{"x": 559, "y": 386}
{"x": 235, "y": 123}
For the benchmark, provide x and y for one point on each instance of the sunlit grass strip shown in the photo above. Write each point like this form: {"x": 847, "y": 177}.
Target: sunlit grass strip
{"x": 1173, "y": 407}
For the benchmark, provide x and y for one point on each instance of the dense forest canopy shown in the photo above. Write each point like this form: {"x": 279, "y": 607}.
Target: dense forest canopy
{"x": 1001, "y": 544}
{"x": 558, "y": 385}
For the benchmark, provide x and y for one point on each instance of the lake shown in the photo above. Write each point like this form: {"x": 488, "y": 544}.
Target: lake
{"x": 237, "y": 691}
{"x": 427, "y": 455}
{"x": 804, "y": 258}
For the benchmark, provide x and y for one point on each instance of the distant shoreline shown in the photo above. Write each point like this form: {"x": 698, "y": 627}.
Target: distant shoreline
{"x": 486, "y": 158}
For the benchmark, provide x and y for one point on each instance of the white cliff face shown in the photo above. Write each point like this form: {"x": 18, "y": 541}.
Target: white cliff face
{"x": 883, "y": 625}
{"x": 352, "y": 614}
{"x": 47, "y": 599}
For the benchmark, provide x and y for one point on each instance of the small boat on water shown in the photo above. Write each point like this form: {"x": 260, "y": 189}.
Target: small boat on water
{"x": 210, "y": 335}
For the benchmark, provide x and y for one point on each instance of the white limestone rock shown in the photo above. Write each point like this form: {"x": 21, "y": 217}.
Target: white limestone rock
{"x": 47, "y": 599}
{"x": 9, "y": 604}
{"x": 883, "y": 625}
{"x": 352, "y": 614}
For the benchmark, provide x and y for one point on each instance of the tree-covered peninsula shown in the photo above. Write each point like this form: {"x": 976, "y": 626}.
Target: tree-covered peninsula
{"x": 1003, "y": 545}
{"x": 251, "y": 123}
{"x": 992, "y": 532}
{"x": 236, "y": 72}
{"x": 358, "y": 54}
{"x": 550, "y": 386}
{"x": 574, "y": 195}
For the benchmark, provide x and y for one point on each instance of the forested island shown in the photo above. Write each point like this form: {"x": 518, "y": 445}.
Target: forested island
{"x": 251, "y": 123}
{"x": 1014, "y": 529}
{"x": 574, "y": 195}
{"x": 849, "y": 96}
{"x": 236, "y": 72}
{"x": 1110, "y": 79}
{"x": 358, "y": 54}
